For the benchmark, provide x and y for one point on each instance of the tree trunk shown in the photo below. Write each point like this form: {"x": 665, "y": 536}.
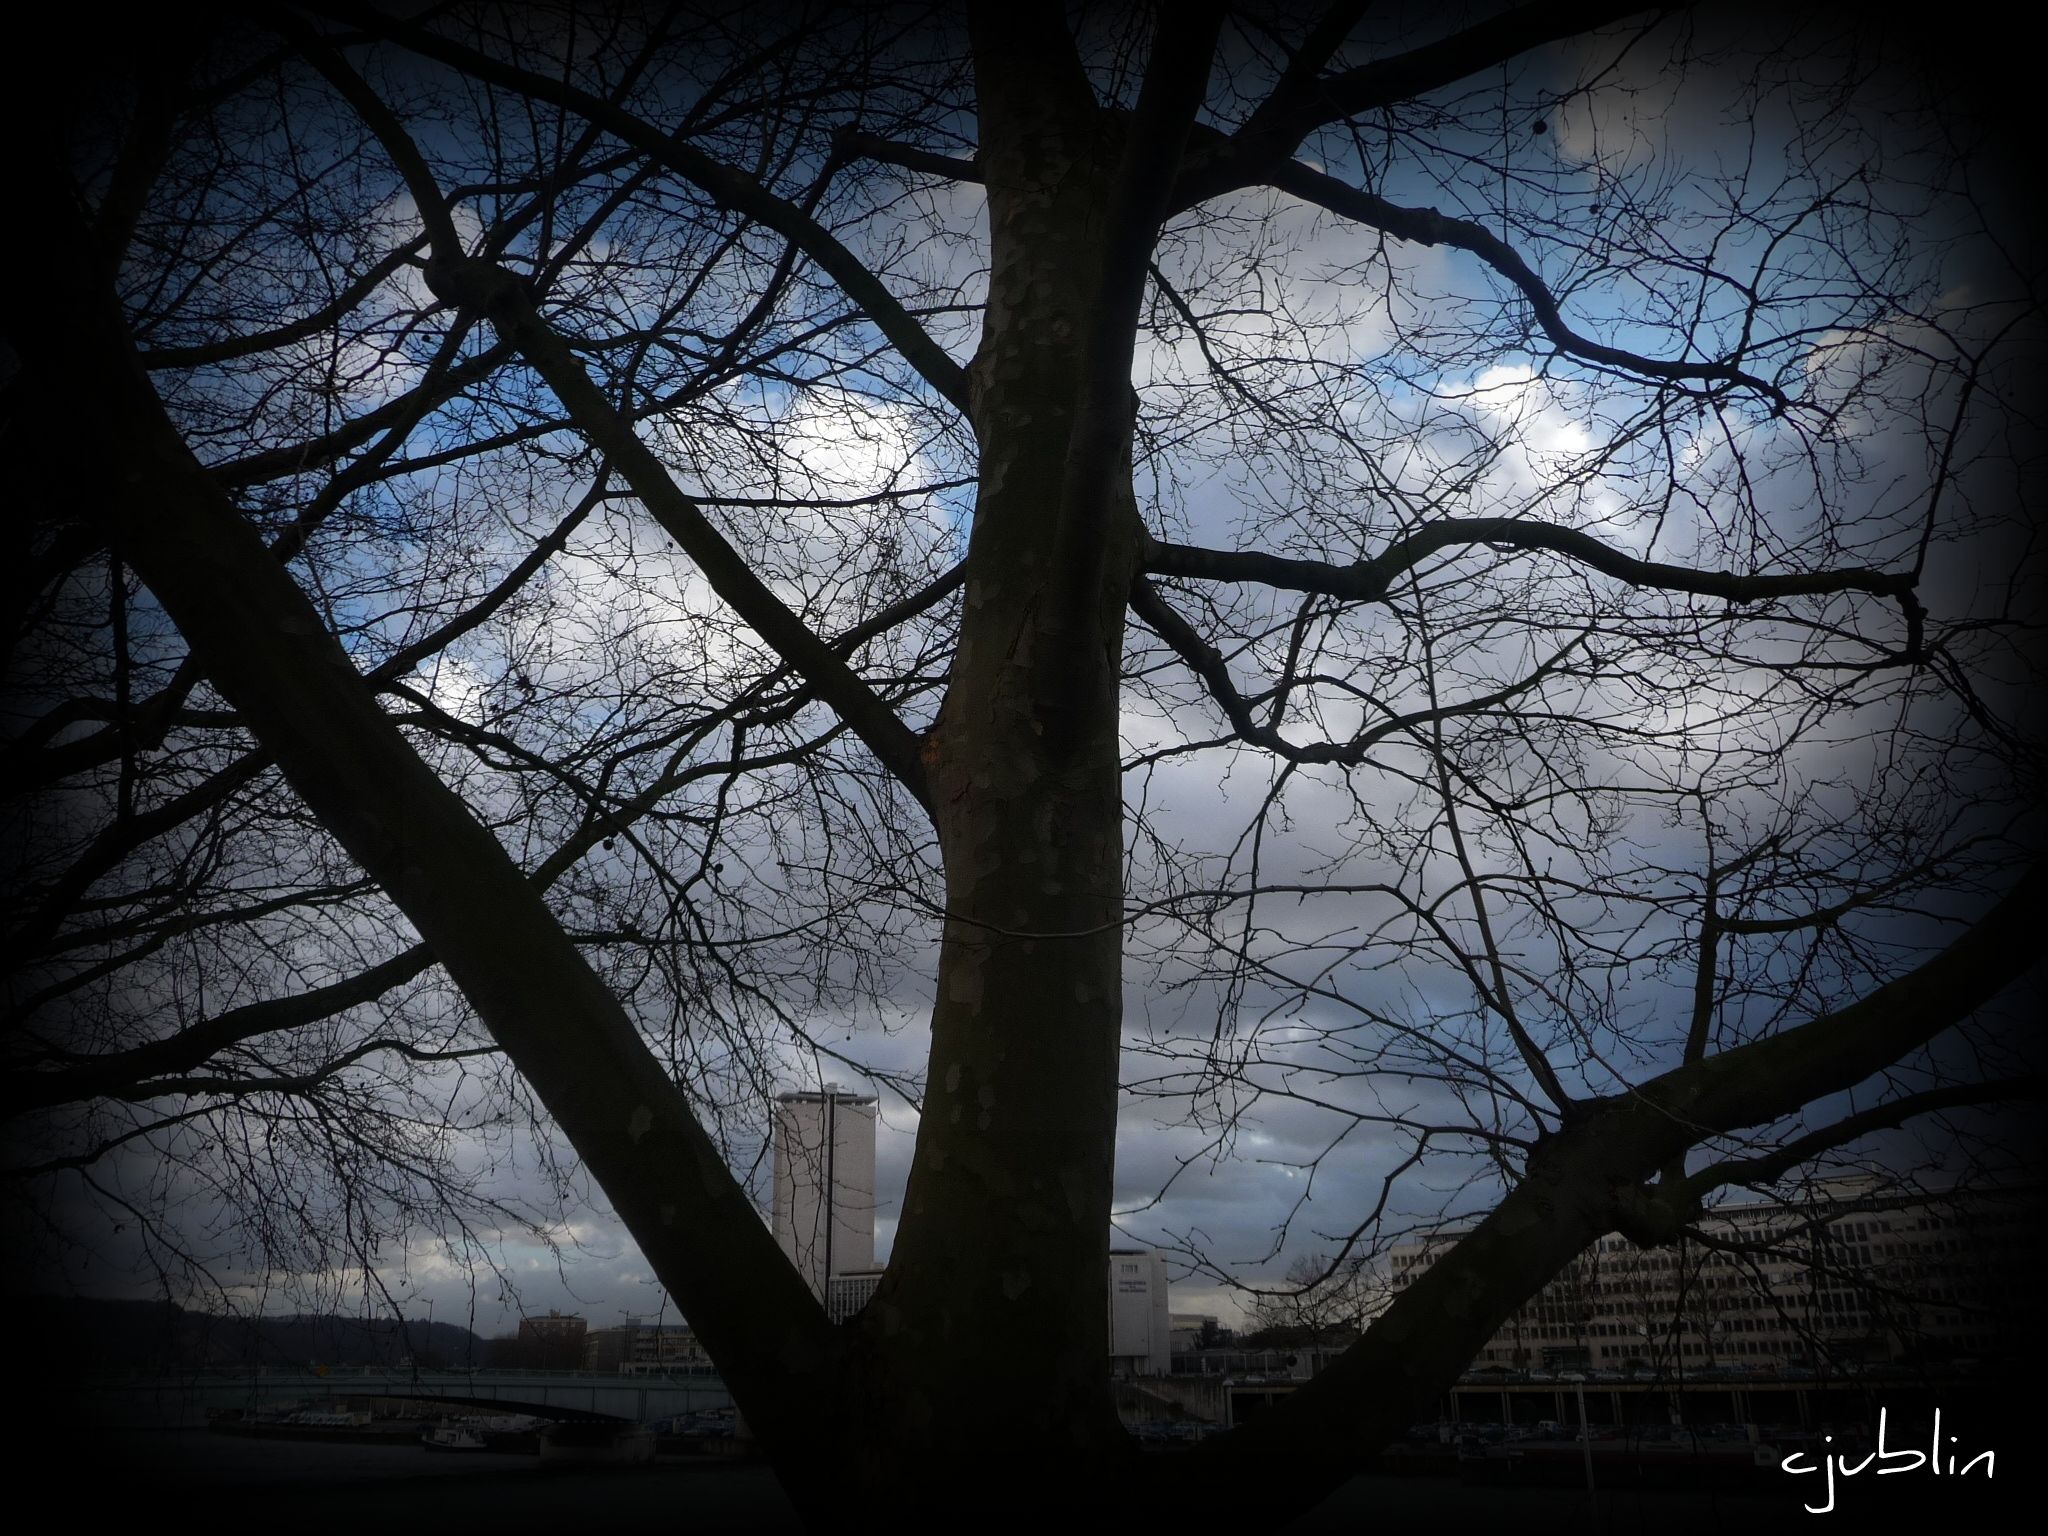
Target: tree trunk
{"x": 989, "y": 1336}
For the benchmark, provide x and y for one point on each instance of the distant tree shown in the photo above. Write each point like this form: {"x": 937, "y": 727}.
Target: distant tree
{"x": 1473, "y": 563}
{"x": 1325, "y": 1307}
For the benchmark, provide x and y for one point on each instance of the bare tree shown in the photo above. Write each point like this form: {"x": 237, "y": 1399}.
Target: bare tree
{"x": 1326, "y": 1307}
{"x": 582, "y": 562}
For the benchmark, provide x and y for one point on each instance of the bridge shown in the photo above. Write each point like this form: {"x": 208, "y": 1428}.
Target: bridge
{"x": 185, "y": 1400}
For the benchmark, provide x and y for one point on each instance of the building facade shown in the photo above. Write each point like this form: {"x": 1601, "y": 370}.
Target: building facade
{"x": 848, "y": 1291}
{"x": 823, "y": 1203}
{"x": 643, "y": 1348}
{"x": 552, "y": 1343}
{"x": 1140, "y": 1327}
{"x": 822, "y": 1212}
{"x": 1853, "y": 1276}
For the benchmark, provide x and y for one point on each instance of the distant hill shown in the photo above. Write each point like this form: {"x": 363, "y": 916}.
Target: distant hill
{"x": 86, "y": 1332}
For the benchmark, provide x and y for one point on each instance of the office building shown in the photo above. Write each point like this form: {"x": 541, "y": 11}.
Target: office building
{"x": 643, "y": 1348}
{"x": 1854, "y": 1276}
{"x": 823, "y": 1215}
{"x": 1140, "y": 1327}
{"x": 551, "y": 1343}
{"x": 823, "y": 1204}
{"x": 848, "y": 1291}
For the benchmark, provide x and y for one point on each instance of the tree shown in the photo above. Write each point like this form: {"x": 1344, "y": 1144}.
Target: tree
{"x": 1327, "y": 1307}
{"x": 567, "y": 548}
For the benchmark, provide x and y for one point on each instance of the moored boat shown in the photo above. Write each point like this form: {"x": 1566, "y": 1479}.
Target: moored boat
{"x": 454, "y": 1437}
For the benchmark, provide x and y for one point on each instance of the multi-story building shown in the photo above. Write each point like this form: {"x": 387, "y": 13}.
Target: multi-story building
{"x": 1140, "y": 1327}
{"x": 848, "y": 1291}
{"x": 553, "y": 1343}
{"x": 606, "y": 1349}
{"x": 1855, "y": 1275}
{"x": 643, "y": 1347}
{"x": 823, "y": 1205}
{"x": 823, "y": 1216}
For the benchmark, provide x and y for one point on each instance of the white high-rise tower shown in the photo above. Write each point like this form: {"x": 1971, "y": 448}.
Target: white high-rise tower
{"x": 823, "y": 1212}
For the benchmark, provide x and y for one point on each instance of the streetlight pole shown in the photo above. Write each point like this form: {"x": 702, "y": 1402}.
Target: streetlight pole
{"x": 1578, "y": 1381}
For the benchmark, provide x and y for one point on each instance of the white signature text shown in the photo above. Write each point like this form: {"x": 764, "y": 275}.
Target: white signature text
{"x": 1904, "y": 1459}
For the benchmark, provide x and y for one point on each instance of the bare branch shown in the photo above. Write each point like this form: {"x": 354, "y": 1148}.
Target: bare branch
{"x": 1889, "y": 1115}
{"x": 737, "y": 191}
{"x": 1426, "y": 226}
{"x": 1370, "y": 580}
{"x": 1306, "y": 100}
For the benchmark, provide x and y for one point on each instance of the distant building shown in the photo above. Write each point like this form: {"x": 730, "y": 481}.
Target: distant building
{"x": 1192, "y": 1330}
{"x": 606, "y": 1349}
{"x": 823, "y": 1215}
{"x": 552, "y": 1343}
{"x": 552, "y": 1328}
{"x": 1856, "y": 1275}
{"x": 633, "y": 1348}
{"x": 823, "y": 1210}
{"x": 1140, "y": 1331}
{"x": 847, "y": 1292}
{"x": 1265, "y": 1364}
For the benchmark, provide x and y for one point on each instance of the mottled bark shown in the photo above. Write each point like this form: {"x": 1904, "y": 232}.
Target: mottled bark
{"x": 1001, "y": 1251}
